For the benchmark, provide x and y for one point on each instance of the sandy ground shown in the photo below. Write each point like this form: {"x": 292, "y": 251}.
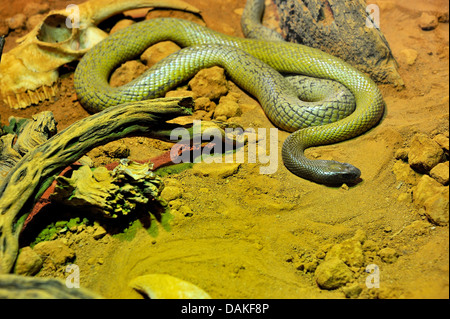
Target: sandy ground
{"x": 249, "y": 234}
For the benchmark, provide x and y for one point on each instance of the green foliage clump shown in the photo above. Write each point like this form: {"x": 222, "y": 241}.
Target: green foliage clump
{"x": 173, "y": 169}
{"x": 52, "y": 230}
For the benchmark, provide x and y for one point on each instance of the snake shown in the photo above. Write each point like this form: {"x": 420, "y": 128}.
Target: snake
{"x": 256, "y": 66}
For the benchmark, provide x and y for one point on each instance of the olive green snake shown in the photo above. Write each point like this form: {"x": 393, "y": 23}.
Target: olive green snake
{"x": 255, "y": 65}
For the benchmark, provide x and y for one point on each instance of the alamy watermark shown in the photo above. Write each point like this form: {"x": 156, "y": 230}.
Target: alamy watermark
{"x": 73, "y": 277}
{"x": 73, "y": 17}
{"x": 373, "y": 20}
{"x": 373, "y": 279}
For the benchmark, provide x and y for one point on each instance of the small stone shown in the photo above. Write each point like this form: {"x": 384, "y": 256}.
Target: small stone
{"x": 117, "y": 150}
{"x": 441, "y": 173}
{"x": 221, "y": 170}
{"x": 203, "y": 103}
{"x": 28, "y": 262}
{"x": 157, "y": 52}
{"x": 442, "y": 140}
{"x": 409, "y": 56}
{"x": 349, "y": 251}
{"x": 404, "y": 173}
{"x": 127, "y": 72}
{"x": 404, "y": 197}
{"x": 186, "y": 211}
{"x": 388, "y": 255}
{"x": 210, "y": 83}
{"x": 424, "y": 153}
{"x": 402, "y": 153}
{"x": 387, "y": 229}
{"x": 17, "y": 21}
{"x": 122, "y": 24}
{"x": 425, "y": 189}
{"x": 55, "y": 251}
{"x": 99, "y": 232}
{"x": 310, "y": 266}
{"x": 437, "y": 207}
{"x": 34, "y": 20}
{"x": 239, "y": 11}
{"x": 428, "y": 22}
{"x": 227, "y": 107}
{"x": 352, "y": 291}
{"x": 418, "y": 228}
{"x": 170, "y": 193}
{"x": 332, "y": 274}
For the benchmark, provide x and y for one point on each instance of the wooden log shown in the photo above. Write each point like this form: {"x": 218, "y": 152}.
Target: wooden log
{"x": 38, "y": 168}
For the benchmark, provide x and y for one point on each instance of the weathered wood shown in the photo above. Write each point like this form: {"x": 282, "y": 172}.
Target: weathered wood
{"x": 2, "y": 43}
{"x": 339, "y": 28}
{"x": 22, "y": 287}
{"x": 38, "y": 168}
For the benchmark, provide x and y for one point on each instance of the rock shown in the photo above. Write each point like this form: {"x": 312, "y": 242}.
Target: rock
{"x": 443, "y": 141}
{"x": 352, "y": 291}
{"x": 349, "y": 251}
{"x": 434, "y": 197}
{"x": 425, "y": 189}
{"x": 34, "y": 20}
{"x": 28, "y": 262}
{"x": 418, "y": 228}
{"x": 428, "y": 22}
{"x": 205, "y": 104}
{"x": 99, "y": 232}
{"x": 402, "y": 154}
{"x": 210, "y": 83}
{"x": 332, "y": 274}
{"x": 409, "y": 56}
{"x": 122, "y": 24}
{"x": 424, "y": 153}
{"x": 403, "y": 172}
{"x": 441, "y": 173}
{"x": 437, "y": 208}
{"x": 127, "y": 72}
{"x": 17, "y": 21}
{"x": 186, "y": 211}
{"x": 157, "y": 52}
{"x": 116, "y": 150}
{"x": 170, "y": 193}
{"x": 443, "y": 16}
{"x": 217, "y": 170}
{"x": 55, "y": 251}
{"x": 33, "y": 8}
{"x": 388, "y": 255}
{"x": 227, "y": 107}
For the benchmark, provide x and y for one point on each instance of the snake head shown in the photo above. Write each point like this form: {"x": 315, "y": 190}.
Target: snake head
{"x": 338, "y": 173}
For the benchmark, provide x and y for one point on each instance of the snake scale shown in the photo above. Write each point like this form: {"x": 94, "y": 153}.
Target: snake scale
{"x": 255, "y": 65}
